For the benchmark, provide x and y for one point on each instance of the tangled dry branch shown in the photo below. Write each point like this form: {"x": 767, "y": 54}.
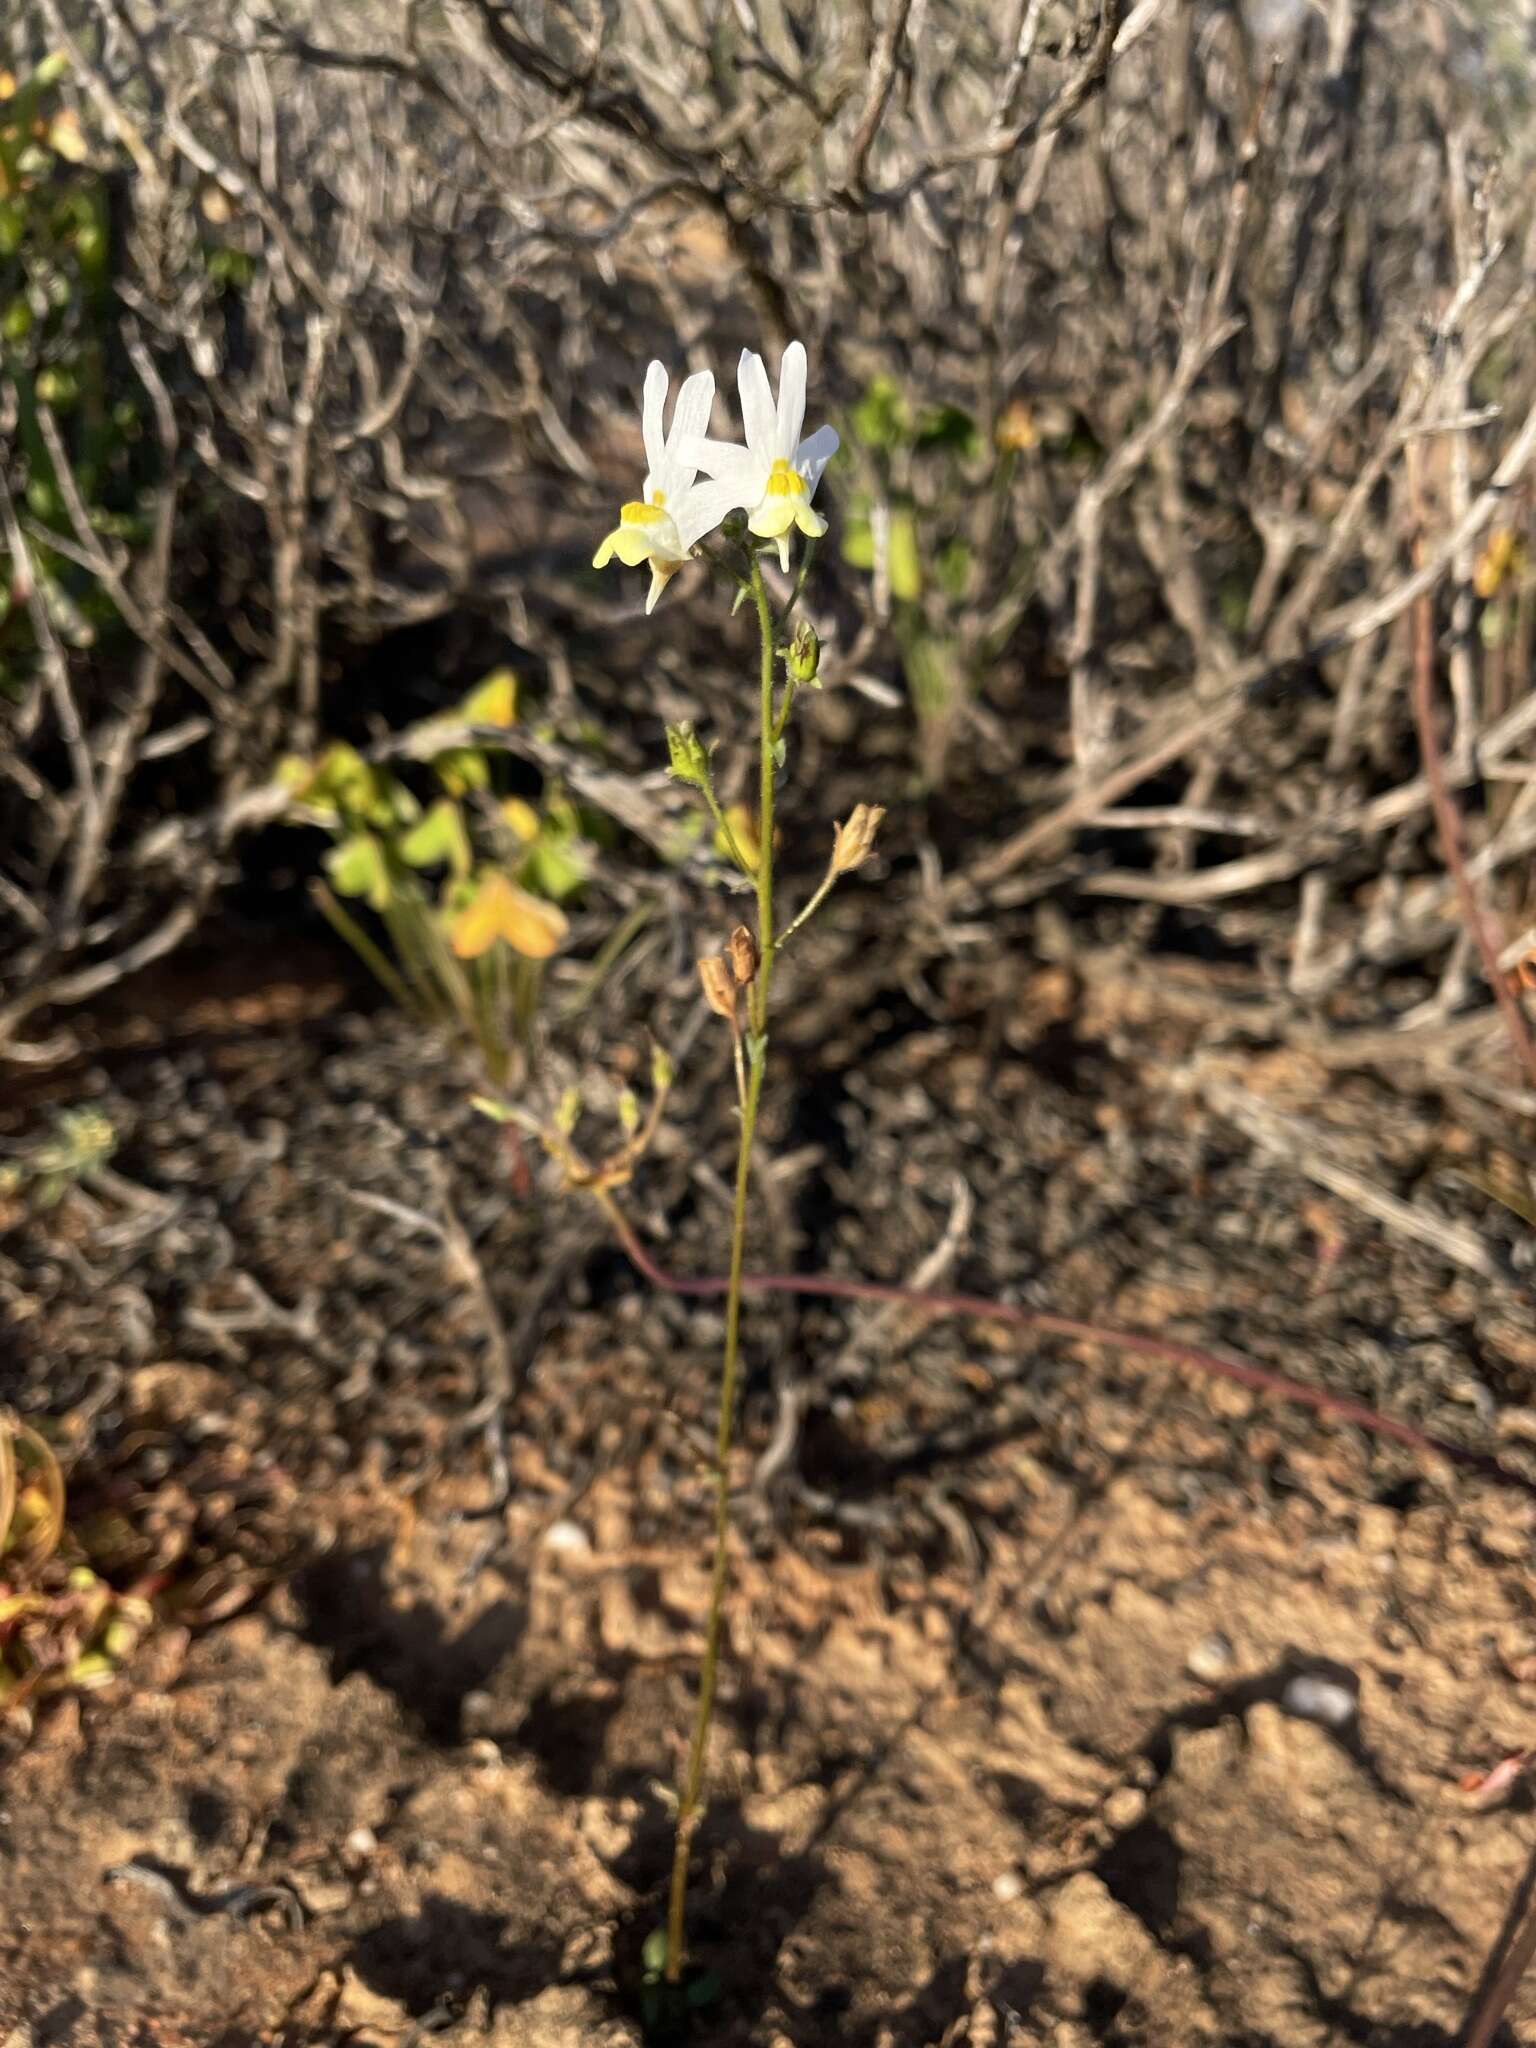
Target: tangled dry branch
{"x": 1194, "y": 276}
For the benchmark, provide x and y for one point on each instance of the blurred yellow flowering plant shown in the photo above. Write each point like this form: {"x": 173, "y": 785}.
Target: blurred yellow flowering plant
{"x": 465, "y": 886}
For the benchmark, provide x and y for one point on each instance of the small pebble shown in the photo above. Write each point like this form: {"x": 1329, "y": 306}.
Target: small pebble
{"x": 1377, "y": 1529}
{"x": 1210, "y": 1659}
{"x": 1311, "y": 1698}
{"x": 1124, "y": 1807}
{"x": 319, "y": 1895}
{"x": 567, "y": 1539}
{"x": 1008, "y": 1886}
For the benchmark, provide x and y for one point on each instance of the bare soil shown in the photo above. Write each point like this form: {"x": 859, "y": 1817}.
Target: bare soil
{"x": 1012, "y": 1746}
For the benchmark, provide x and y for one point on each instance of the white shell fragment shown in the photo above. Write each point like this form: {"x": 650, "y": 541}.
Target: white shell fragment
{"x": 1311, "y": 1698}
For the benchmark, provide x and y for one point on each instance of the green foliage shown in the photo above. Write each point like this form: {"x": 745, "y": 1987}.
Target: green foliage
{"x": 466, "y": 887}
{"x": 668, "y": 2011}
{"x": 58, "y": 338}
{"x": 881, "y": 419}
{"x": 62, "y": 1627}
{"x": 81, "y": 1140}
{"x": 925, "y": 467}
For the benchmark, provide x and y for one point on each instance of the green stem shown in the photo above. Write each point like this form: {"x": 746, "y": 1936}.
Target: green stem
{"x": 723, "y": 824}
{"x": 768, "y": 735}
{"x": 785, "y": 708}
{"x": 690, "y": 1805}
{"x": 373, "y": 957}
{"x": 829, "y": 882}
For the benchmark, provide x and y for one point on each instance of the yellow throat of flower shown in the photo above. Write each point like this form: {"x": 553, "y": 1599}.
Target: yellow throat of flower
{"x": 637, "y": 513}
{"x": 784, "y": 482}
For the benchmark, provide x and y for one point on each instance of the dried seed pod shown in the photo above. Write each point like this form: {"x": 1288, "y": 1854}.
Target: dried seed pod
{"x": 719, "y": 987}
{"x": 853, "y": 843}
{"x": 743, "y": 955}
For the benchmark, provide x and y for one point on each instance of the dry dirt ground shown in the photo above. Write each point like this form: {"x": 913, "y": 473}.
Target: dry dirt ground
{"x": 1069, "y": 1700}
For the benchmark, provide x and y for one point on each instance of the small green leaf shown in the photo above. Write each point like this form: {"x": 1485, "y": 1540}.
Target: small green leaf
{"x": 654, "y": 1954}
{"x": 493, "y": 700}
{"x": 498, "y": 1112}
{"x": 348, "y": 783}
{"x": 555, "y": 869}
{"x": 462, "y": 769}
{"x": 859, "y": 544}
{"x": 881, "y": 419}
{"x": 358, "y": 868}
{"x": 905, "y": 564}
{"x": 439, "y": 837}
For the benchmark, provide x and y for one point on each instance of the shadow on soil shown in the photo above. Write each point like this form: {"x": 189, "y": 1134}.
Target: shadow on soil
{"x": 411, "y": 1651}
{"x": 448, "y": 1946}
{"x": 746, "y": 1898}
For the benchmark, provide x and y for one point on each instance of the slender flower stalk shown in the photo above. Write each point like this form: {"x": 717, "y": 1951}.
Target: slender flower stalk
{"x": 690, "y": 1806}
{"x": 768, "y": 484}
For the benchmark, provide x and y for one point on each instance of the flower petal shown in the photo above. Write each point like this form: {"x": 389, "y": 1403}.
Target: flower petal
{"x": 730, "y": 463}
{"x": 690, "y": 418}
{"x": 661, "y": 575}
{"x": 791, "y": 417}
{"x": 632, "y": 544}
{"x": 813, "y": 455}
{"x": 773, "y": 516}
{"x": 702, "y": 509}
{"x": 651, "y": 403}
{"x": 758, "y": 417}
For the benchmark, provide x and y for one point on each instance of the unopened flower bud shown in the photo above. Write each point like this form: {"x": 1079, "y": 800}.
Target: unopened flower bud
{"x": 719, "y": 987}
{"x": 629, "y": 1110}
{"x": 853, "y": 843}
{"x": 661, "y": 1069}
{"x": 743, "y": 955}
{"x": 804, "y": 656}
{"x": 569, "y": 1111}
{"x": 687, "y": 756}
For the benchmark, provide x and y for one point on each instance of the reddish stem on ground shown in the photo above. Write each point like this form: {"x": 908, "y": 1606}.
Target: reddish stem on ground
{"x": 1221, "y": 1364}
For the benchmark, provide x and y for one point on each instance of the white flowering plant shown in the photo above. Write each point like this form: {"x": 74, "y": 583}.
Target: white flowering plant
{"x": 745, "y": 500}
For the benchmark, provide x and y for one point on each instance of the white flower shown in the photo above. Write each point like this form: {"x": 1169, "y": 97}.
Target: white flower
{"x": 674, "y": 510}
{"x": 774, "y": 478}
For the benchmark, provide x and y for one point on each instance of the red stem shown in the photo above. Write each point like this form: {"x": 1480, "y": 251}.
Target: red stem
{"x": 1222, "y": 1364}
